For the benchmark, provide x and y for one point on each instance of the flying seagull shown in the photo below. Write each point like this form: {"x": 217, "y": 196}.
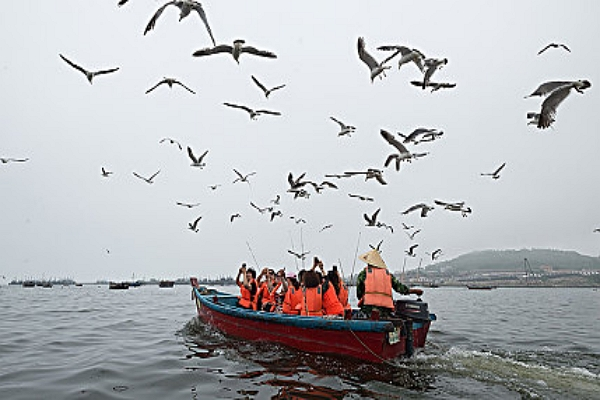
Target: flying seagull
{"x": 234, "y": 216}
{"x": 432, "y": 65}
{"x": 242, "y": 178}
{"x": 301, "y": 256}
{"x": 556, "y": 93}
{"x": 187, "y": 205}
{"x": 403, "y": 153}
{"x": 433, "y": 85}
{"x": 372, "y": 219}
{"x": 375, "y": 67}
{"x": 421, "y": 206}
{"x": 88, "y": 74}
{"x": 413, "y": 234}
{"x": 214, "y": 187}
{"x": 196, "y": 161}
{"x": 7, "y": 160}
{"x": 106, "y": 173}
{"x": 370, "y": 173}
{"x": 407, "y": 55}
{"x": 148, "y": 180}
{"x": 344, "y": 129}
{"x": 554, "y": 45}
{"x": 328, "y": 226}
{"x": 411, "y": 251}
{"x": 170, "y": 82}
{"x": 360, "y": 197}
{"x": 436, "y": 254}
{"x": 172, "y": 141}
{"x": 185, "y": 8}
{"x": 253, "y": 113}
{"x": 194, "y": 225}
{"x": 496, "y": 173}
{"x": 266, "y": 91}
{"x": 261, "y": 210}
{"x": 236, "y": 50}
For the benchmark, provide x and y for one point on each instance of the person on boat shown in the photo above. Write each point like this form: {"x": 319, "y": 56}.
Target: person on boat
{"x": 312, "y": 295}
{"x": 374, "y": 286}
{"x": 331, "y": 302}
{"x": 293, "y": 295}
{"x": 341, "y": 290}
{"x": 248, "y": 287}
{"x": 267, "y": 290}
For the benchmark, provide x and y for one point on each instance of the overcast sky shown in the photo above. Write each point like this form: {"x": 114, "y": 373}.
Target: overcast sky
{"x": 61, "y": 218}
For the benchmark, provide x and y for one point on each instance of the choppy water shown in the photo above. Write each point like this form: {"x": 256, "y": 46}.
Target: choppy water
{"x": 93, "y": 343}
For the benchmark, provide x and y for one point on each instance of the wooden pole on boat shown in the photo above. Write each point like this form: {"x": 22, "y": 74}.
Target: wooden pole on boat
{"x": 252, "y": 253}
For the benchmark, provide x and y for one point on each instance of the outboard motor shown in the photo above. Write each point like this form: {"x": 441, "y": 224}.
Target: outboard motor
{"x": 413, "y": 309}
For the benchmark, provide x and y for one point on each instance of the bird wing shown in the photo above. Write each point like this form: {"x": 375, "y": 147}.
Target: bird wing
{"x": 550, "y": 105}
{"x": 496, "y": 172}
{"x": 185, "y": 87}
{"x": 72, "y": 64}
{"x": 157, "y": 14}
{"x": 222, "y": 48}
{"x": 544, "y": 49}
{"x": 564, "y": 46}
{"x": 138, "y": 175}
{"x": 191, "y": 154}
{"x": 155, "y": 86}
{"x": 277, "y": 87}
{"x": 202, "y": 156}
{"x": 364, "y": 56}
{"x": 260, "y": 85}
{"x": 198, "y": 8}
{"x": 106, "y": 71}
{"x": 548, "y": 87}
{"x": 238, "y": 173}
{"x": 249, "y": 110}
{"x": 340, "y": 123}
{"x": 256, "y": 52}
{"x": 392, "y": 140}
{"x": 154, "y": 175}
{"x": 412, "y": 208}
{"x": 268, "y": 112}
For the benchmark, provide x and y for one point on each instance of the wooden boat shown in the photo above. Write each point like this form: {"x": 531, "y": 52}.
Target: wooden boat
{"x": 369, "y": 340}
{"x": 118, "y": 285}
{"x": 166, "y": 284}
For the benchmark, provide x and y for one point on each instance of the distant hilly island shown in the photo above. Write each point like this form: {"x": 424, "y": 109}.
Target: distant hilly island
{"x": 513, "y": 260}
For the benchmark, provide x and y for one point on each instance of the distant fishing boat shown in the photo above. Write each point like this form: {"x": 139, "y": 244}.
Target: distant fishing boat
{"x": 481, "y": 287}
{"x": 28, "y": 284}
{"x": 166, "y": 284}
{"x": 369, "y": 340}
{"x": 118, "y": 285}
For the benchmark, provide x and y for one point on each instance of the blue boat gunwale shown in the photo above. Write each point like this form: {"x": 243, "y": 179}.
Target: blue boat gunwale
{"x": 224, "y": 305}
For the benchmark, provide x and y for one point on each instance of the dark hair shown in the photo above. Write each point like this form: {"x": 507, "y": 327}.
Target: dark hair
{"x": 334, "y": 278}
{"x": 295, "y": 283}
{"x": 252, "y": 271}
{"x": 311, "y": 279}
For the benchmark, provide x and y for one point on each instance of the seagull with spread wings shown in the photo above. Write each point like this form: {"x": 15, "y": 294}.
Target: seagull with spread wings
{"x": 185, "y": 8}
{"x": 555, "y": 46}
{"x": 106, "y": 173}
{"x": 372, "y": 219}
{"x": 172, "y": 141}
{"x": 435, "y": 86}
{"x": 360, "y": 197}
{"x": 407, "y": 55}
{"x": 5, "y": 160}
{"x": 556, "y": 92}
{"x": 170, "y": 82}
{"x": 403, "y": 153}
{"x": 421, "y": 206}
{"x": 411, "y": 251}
{"x": 239, "y": 47}
{"x": 262, "y": 87}
{"x": 344, "y": 129}
{"x": 301, "y": 256}
{"x": 197, "y": 161}
{"x": 187, "y": 205}
{"x": 496, "y": 173}
{"x": 376, "y": 68}
{"x": 194, "y": 225}
{"x": 242, "y": 178}
{"x": 149, "y": 180}
{"x": 370, "y": 173}
{"x": 432, "y": 65}
{"x": 88, "y": 74}
{"x": 253, "y": 113}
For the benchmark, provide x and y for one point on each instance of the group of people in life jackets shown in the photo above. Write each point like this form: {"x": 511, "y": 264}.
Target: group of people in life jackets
{"x": 315, "y": 292}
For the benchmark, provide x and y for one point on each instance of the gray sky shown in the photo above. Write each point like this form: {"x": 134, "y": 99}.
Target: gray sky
{"x": 61, "y": 218}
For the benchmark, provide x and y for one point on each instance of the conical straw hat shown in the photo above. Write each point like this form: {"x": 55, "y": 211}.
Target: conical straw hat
{"x": 373, "y": 258}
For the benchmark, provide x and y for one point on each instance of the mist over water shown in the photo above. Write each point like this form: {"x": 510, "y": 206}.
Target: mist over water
{"x": 91, "y": 342}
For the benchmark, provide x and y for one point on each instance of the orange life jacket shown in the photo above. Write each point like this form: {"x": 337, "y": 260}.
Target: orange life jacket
{"x": 378, "y": 288}
{"x": 267, "y": 296}
{"x": 246, "y": 299}
{"x": 292, "y": 298}
{"x": 343, "y": 296}
{"x": 312, "y": 302}
{"x": 331, "y": 303}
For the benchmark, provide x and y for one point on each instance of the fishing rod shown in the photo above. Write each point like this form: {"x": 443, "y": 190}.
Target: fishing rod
{"x": 252, "y": 253}
{"x": 293, "y": 249}
{"x": 301, "y": 247}
{"x": 355, "y": 255}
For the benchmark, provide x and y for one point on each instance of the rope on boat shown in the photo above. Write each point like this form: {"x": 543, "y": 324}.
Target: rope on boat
{"x": 368, "y": 348}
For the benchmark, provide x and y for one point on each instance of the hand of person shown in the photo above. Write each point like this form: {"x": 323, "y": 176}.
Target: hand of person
{"x": 418, "y": 292}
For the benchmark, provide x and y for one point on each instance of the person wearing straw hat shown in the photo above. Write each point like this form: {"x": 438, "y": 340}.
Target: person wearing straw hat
{"x": 374, "y": 286}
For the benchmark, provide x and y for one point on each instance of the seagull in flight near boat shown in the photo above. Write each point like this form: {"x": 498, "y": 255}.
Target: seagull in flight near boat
{"x": 196, "y": 161}
{"x": 413, "y": 234}
{"x": 148, "y": 180}
{"x": 378, "y": 247}
{"x": 360, "y": 197}
{"x": 88, "y": 74}
{"x": 172, "y": 141}
{"x": 421, "y": 135}
{"x": 372, "y": 219}
{"x": 370, "y": 173}
{"x": 106, "y": 173}
{"x": 187, "y": 205}
{"x": 301, "y": 256}
{"x": 436, "y": 254}
{"x": 407, "y": 55}
{"x": 234, "y": 216}
{"x": 253, "y": 113}
{"x": 421, "y": 206}
{"x": 328, "y": 226}
{"x": 434, "y": 85}
{"x": 403, "y": 153}
{"x": 214, "y": 187}
{"x": 185, "y": 8}
{"x": 407, "y": 227}
{"x": 411, "y": 251}
{"x": 261, "y": 210}
{"x": 556, "y": 94}
{"x": 555, "y": 46}
{"x": 266, "y": 91}
{"x": 496, "y": 173}
{"x": 344, "y": 129}
{"x": 375, "y": 67}
{"x": 8, "y": 160}
{"x": 276, "y": 200}
{"x": 242, "y": 178}
{"x": 194, "y": 225}
{"x": 432, "y": 65}
{"x": 170, "y": 82}
{"x": 236, "y": 50}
